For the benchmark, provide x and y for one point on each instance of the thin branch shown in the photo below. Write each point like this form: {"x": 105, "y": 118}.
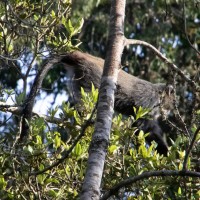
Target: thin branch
{"x": 27, "y": 111}
{"x": 185, "y": 30}
{"x": 190, "y": 148}
{"x": 67, "y": 153}
{"x": 192, "y": 109}
{"x": 163, "y": 58}
{"x": 18, "y": 110}
{"x": 8, "y": 58}
{"x": 25, "y": 22}
{"x": 38, "y": 189}
{"x": 146, "y": 175}
{"x": 183, "y": 127}
{"x": 5, "y": 121}
{"x": 183, "y": 124}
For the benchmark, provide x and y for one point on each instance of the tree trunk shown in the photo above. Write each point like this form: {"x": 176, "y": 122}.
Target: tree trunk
{"x": 105, "y": 109}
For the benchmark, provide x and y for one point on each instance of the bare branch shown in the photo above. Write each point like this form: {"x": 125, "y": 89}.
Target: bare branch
{"x": 18, "y": 110}
{"x": 27, "y": 111}
{"x": 147, "y": 175}
{"x": 8, "y": 58}
{"x": 163, "y": 58}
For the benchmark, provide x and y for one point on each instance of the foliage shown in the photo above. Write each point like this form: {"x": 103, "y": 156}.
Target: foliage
{"x": 128, "y": 155}
{"x": 31, "y": 32}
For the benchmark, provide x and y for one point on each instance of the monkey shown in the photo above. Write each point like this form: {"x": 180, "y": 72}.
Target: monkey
{"x": 131, "y": 91}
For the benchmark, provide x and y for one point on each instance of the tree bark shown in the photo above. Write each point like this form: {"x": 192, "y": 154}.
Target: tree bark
{"x": 105, "y": 108}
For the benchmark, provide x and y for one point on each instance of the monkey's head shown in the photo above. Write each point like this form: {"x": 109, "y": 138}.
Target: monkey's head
{"x": 166, "y": 98}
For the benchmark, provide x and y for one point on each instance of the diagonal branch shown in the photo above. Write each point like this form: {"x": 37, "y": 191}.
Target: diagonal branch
{"x": 163, "y": 58}
{"x": 190, "y": 148}
{"x": 29, "y": 103}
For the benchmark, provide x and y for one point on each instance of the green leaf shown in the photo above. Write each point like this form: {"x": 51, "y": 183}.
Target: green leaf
{"x": 83, "y": 94}
{"x": 67, "y": 170}
{"x": 181, "y": 154}
{"x": 93, "y": 88}
{"x": 3, "y": 183}
{"x": 57, "y": 140}
{"x": 36, "y": 17}
{"x": 68, "y": 26}
{"x": 112, "y": 148}
{"x": 30, "y": 149}
{"x": 41, "y": 177}
{"x": 53, "y": 14}
{"x": 78, "y": 150}
{"x": 52, "y": 111}
{"x": 143, "y": 151}
{"x": 20, "y": 98}
{"x": 141, "y": 112}
{"x": 51, "y": 180}
{"x": 39, "y": 122}
{"x": 75, "y": 192}
{"x": 52, "y": 193}
{"x": 149, "y": 151}
{"x": 94, "y": 93}
{"x": 9, "y": 92}
{"x": 135, "y": 110}
{"x": 41, "y": 166}
{"x": 49, "y": 137}
{"x": 179, "y": 191}
{"x": 73, "y": 30}
{"x": 141, "y": 137}
{"x": 78, "y": 26}
{"x": 77, "y": 117}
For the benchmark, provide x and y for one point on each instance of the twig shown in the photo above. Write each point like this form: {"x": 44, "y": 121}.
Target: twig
{"x": 182, "y": 121}
{"x": 185, "y": 30}
{"x": 190, "y": 148}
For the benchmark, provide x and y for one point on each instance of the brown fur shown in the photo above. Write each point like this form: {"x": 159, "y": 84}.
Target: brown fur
{"x": 131, "y": 91}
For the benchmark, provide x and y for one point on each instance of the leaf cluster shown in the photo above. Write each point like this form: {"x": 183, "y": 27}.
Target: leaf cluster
{"x": 23, "y": 173}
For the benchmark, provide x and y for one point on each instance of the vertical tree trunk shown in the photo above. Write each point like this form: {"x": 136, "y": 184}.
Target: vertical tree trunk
{"x": 100, "y": 139}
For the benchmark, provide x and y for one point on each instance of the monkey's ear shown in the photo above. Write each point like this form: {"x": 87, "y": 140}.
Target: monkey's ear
{"x": 169, "y": 90}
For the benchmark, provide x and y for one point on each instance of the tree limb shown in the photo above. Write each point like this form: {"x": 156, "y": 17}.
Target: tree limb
{"x": 163, "y": 58}
{"x": 146, "y": 175}
{"x": 18, "y": 110}
{"x": 29, "y": 103}
{"x": 105, "y": 109}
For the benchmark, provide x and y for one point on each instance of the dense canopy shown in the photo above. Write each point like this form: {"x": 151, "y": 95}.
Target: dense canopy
{"x": 50, "y": 161}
